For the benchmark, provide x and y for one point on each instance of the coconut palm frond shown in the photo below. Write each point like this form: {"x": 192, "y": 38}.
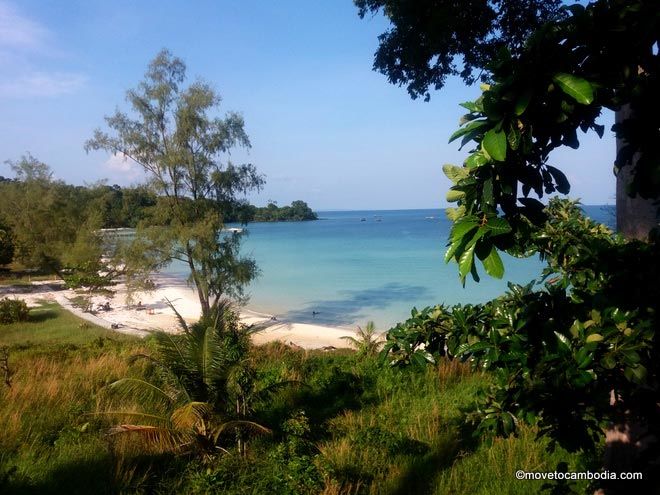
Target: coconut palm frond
{"x": 244, "y": 425}
{"x": 151, "y": 417}
{"x": 176, "y": 361}
{"x": 134, "y": 387}
{"x": 190, "y": 415}
{"x": 182, "y": 322}
{"x": 366, "y": 340}
{"x": 154, "y": 437}
{"x": 141, "y": 356}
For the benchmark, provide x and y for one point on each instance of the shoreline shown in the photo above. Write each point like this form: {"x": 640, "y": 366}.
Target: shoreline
{"x": 154, "y": 313}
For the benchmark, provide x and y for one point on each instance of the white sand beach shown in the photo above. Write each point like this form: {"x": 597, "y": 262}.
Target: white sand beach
{"x": 153, "y": 313}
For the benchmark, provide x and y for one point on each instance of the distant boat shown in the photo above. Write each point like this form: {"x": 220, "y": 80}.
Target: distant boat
{"x": 236, "y": 230}
{"x": 430, "y": 218}
{"x": 363, "y": 219}
{"x": 378, "y": 218}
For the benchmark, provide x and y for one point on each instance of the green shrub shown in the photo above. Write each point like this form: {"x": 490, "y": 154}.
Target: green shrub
{"x": 12, "y": 311}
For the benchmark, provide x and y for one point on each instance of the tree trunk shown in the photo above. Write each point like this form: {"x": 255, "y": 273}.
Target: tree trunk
{"x": 635, "y": 217}
{"x": 627, "y": 441}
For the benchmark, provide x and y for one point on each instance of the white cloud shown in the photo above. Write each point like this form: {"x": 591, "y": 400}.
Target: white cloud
{"x": 17, "y": 31}
{"x": 122, "y": 169}
{"x": 24, "y": 47}
{"x": 41, "y": 84}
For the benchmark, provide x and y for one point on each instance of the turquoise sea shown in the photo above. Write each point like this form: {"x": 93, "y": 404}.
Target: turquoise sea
{"x": 350, "y": 267}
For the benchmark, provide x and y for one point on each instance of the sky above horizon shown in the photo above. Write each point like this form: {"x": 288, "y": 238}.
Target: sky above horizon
{"x": 324, "y": 127}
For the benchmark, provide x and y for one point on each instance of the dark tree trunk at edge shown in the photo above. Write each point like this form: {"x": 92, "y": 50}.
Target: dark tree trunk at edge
{"x": 635, "y": 217}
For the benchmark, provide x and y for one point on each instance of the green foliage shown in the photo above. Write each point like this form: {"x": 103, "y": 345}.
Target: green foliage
{"x": 567, "y": 73}
{"x": 367, "y": 341}
{"x": 6, "y": 245}
{"x": 13, "y": 311}
{"x": 429, "y": 40}
{"x": 297, "y": 212}
{"x": 53, "y": 227}
{"x": 201, "y": 394}
{"x": 295, "y": 456}
{"x": 556, "y": 353}
{"x": 366, "y": 428}
{"x": 175, "y": 137}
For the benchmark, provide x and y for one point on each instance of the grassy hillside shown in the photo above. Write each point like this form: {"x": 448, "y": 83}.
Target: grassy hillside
{"x": 355, "y": 426}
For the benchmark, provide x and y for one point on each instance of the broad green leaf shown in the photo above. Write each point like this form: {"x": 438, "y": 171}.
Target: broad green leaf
{"x": 465, "y": 262}
{"x": 455, "y": 173}
{"x": 494, "y": 143}
{"x": 476, "y": 347}
{"x": 453, "y": 195}
{"x": 498, "y": 226}
{"x": 635, "y": 373}
{"x": 522, "y": 102}
{"x": 469, "y": 105}
{"x": 421, "y": 358}
{"x": 561, "y": 182}
{"x": 493, "y": 264}
{"x": 476, "y": 159}
{"x": 513, "y": 137}
{"x": 475, "y": 124}
{"x": 451, "y": 250}
{"x": 477, "y": 235}
{"x": 608, "y": 362}
{"x": 508, "y": 424}
{"x": 563, "y": 340}
{"x": 577, "y": 88}
{"x": 462, "y": 227}
{"x": 487, "y": 192}
{"x": 594, "y": 337}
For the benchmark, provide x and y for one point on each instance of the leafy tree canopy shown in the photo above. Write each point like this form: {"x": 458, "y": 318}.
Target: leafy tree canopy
{"x": 432, "y": 39}
{"x": 298, "y": 211}
{"x": 600, "y": 57}
{"x": 175, "y": 136}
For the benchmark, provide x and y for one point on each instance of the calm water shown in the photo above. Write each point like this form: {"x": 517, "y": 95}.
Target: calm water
{"x": 351, "y": 271}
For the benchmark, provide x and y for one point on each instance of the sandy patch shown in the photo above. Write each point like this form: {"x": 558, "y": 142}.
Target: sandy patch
{"x": 153, "y": 313}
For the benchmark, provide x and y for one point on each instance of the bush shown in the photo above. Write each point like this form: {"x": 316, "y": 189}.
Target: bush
{"x": 12, "y": 311}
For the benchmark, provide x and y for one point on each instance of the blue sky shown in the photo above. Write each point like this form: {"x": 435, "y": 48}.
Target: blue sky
{"x": 324, "y": 127}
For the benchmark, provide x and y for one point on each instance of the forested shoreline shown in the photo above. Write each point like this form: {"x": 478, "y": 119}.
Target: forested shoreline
{"x": 125, "y": 207}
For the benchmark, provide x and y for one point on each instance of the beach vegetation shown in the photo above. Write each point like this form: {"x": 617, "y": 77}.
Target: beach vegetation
{"x": 6, "y": 245}
{"x": 205, "y": 391}
{"x": 367, "y": 341}
{"x": 54, "y": 227}
{"x": 577, "y": 355}
{"x": 174, "y": 134}
{"x": 356, "y": 427}
{"x": 13, "y": 311}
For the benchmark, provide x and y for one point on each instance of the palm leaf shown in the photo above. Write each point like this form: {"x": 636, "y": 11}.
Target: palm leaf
{"x": 130, "y": 413}
{"x": 238, "y": 424}
{"x": 179, "y": 318}
{"x": 154, "y": 437}
{"x": 190, "y": 415}
{"x": 134, "y": 387}
{"x": 175, "y": 363}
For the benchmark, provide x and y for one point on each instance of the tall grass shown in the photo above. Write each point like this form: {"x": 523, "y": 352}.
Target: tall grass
{"x": 58, "y": 364}
{"x": 355, "y": 427}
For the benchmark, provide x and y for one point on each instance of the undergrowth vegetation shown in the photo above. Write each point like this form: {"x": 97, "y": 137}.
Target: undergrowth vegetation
{"x": 354, "y": 425}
